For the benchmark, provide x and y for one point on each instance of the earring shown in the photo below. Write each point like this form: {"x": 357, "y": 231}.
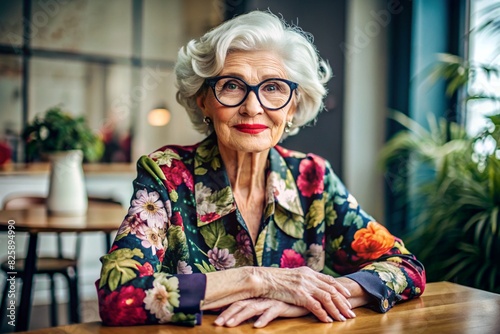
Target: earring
{"x": 207, "y": 120}
{"x": 288, "y": 126}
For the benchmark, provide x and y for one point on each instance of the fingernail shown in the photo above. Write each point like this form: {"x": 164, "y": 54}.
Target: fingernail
{"x": 347, "y": 292}
{"x": 348, "y": 304}
{"x": 352, "y": 314}
{"x": 258, "y": 323}
{"x": 328, "y": 319}
{"x": 219, "y": 321}
{"x": 342, "y": 318}
{"x": 230, "y": 321}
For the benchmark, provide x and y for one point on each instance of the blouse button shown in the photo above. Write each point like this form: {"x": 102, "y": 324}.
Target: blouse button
{"x": 385, "y": 304}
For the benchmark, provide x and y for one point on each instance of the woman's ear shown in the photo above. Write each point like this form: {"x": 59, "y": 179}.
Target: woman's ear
{"x": 200, "y": 101}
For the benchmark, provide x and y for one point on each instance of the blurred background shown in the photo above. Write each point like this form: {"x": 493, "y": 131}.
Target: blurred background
{"x": 111, "y": 61}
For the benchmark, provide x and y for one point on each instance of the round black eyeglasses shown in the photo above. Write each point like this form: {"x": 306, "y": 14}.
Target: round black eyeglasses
{"x": 273, "y": 93}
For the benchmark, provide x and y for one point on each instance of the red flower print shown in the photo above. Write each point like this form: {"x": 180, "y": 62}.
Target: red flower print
{"x": 178, "y": 174}
{"x": 113, "y": 248}
{"x": 291, "y": 259}
{"x": 209, "y": 217}
{"x": 122, "y": 307}
{"x": 177, "y": 219}
{"x": 146, "y": 269}
{"x": 312, "y": 172}
{"x": 373, "y": 241}
{"x": 161, "y": 254}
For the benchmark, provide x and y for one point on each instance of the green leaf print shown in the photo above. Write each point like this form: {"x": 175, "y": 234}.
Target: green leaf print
{"x": 173, "y": 195}
{"x": 200, "y": 171}
{"x": 117, "y": 267}
{"x": 271, "y": 239}
{"x": 330, "y": 214}
{"x": 334, "y": 245}
{"x": 205, "y": 268}
{"x": 183, "y": 318}
{"x": 300, "y": 247}
{"x": 177, "y": 243}
{"x": 215, "y": 236}
{"x": 291, "y": 224}
{"x": 221, "y": 198}
{"x": 316, "y": 213}
{"x": 351, "y": 218}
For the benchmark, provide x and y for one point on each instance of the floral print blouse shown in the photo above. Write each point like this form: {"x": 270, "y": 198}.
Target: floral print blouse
{"x": 183, "y": 222}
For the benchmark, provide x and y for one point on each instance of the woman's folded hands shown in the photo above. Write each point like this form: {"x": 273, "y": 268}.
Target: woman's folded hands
{"x": 278, "y": 292}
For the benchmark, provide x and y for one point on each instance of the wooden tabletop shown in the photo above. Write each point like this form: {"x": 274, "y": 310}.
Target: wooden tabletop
{"x": 444, "y": 308}
{"x": 100, "y": 217}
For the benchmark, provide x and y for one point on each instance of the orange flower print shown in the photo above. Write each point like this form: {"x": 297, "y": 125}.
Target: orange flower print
{"x": 373, "y": 241}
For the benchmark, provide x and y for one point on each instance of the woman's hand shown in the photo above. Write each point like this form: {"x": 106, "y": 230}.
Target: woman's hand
{"x": 266, "y": 310}
{"x": 321, "y": 294}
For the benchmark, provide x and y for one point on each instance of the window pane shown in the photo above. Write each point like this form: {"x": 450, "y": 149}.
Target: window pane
{"x": 485, "y": 51}
{"x": 10, "y": 104}
{"x": 99, "y": 92}
{"x": 11, "y": 27}
{"x": 97, "y": 27}
{"x": 168, "y": 25}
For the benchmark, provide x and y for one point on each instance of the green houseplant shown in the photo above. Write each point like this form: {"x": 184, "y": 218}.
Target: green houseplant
{"x": 457, "y": 234}
{"x": 56, "y": 130}
{"x": 65, "y": 141}
{"x": 457, "y": 220}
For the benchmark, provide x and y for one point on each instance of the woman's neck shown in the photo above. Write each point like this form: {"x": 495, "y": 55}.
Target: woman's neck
{"x": 246, "y": 171}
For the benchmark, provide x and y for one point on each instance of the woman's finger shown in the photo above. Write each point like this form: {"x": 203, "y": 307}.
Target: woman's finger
{"x": 336, "y": 284}
{"x": 270, "y": 314}
{"x": 338, "y": 299}
{"x": 228, "y": 313}
{"x": 245, "y": 310}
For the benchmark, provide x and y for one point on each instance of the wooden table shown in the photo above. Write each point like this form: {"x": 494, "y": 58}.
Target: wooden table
{"x": 444, "y": 308}
{"x": 102, "y": 217}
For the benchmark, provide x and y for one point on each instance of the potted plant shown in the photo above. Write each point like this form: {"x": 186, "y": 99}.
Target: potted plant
{"x": 457, "y": 234}
{"x": 66, "y": 141}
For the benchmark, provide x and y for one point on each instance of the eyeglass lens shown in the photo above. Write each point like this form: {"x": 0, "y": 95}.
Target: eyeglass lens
{"x": 272, "y": 93}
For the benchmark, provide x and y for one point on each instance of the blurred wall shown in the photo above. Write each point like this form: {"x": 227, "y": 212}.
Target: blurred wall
{"x": 365, "y": 99}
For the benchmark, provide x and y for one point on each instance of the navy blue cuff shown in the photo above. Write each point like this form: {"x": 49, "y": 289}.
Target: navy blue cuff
{"x": 192, "y": 292}
{"x": 383, "y": 298}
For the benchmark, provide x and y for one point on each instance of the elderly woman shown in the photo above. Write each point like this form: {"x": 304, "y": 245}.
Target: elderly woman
{"x": 238, "y": 224}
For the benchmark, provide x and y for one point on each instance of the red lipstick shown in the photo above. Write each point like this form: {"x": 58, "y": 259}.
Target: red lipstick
{"x": 251, "y": 128}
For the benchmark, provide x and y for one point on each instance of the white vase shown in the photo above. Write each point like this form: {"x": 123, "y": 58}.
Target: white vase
{"x": 67, "y": 192}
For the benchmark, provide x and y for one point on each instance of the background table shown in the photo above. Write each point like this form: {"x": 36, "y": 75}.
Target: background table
{"x": 443, "y": 308}
{"x": 100, "y": 217}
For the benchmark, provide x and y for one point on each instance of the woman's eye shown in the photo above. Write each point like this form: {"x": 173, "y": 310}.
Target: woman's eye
{"x": 272, "y": 87}
{"x": 231, "y": 86}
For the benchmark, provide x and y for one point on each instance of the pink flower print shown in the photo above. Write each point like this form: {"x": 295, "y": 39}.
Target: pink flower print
{"x": 221, "y": 259}
{"x": 291, "y": 259}
{"x": 310, "y": 180}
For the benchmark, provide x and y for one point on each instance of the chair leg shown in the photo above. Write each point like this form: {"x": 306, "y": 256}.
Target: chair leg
{"x": 74, "y": 298}
{"x": 53, "y": 306}
{"x": 4, "y": 302}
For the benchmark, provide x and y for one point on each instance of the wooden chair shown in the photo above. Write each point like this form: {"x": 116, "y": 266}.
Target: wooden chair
{"x": 50, "y": 266}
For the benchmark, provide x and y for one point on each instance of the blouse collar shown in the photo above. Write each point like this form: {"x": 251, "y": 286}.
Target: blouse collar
{"x": 213, "y": 194}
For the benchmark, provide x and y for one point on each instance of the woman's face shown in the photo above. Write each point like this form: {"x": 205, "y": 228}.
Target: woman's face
{"x": 248, "y": 127}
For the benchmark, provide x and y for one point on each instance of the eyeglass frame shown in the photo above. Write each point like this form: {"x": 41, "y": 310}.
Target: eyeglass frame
{"x": 211, "y": 82}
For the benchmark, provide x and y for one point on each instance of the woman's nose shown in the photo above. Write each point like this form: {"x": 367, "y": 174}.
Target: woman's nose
{"x": 251, "y": 105}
